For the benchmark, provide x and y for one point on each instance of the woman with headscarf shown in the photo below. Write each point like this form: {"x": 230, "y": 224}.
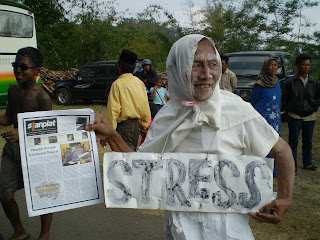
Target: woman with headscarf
{"x": 266, "y": 95}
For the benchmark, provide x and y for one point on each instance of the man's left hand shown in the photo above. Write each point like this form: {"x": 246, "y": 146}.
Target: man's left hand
{"x": 11, "y": 135}
{"x": 273, "y": 212}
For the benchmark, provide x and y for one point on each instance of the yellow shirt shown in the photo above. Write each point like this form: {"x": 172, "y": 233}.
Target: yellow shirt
{"x": 128, "y": 100}
{"x": 228, "y": 81}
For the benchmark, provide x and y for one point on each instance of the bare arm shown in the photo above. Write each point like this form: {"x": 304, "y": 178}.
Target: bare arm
{"x": 5, "y": 120}
{"x": 106, "y": 133}
{"x": 44, "y": 101}
{"x": 275, "y": 211}
{"x": 153, "y": 94}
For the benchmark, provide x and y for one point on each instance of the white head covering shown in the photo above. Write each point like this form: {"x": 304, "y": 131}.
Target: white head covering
{"x": 175, "y": 121}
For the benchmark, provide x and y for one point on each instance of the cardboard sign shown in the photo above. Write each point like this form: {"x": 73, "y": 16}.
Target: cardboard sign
{"x": 187, "y": 182}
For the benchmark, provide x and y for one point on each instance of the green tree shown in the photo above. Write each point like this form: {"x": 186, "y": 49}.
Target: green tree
{"x": 279, "y": 20}
{"x": 233, "y": 28}
{"x": 50, "y": 24}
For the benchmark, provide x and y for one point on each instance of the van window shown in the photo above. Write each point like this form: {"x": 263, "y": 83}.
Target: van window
{"x": 246, "y": 64}
{"x": 288, "y": 65}
{"x": 14, "y": 24}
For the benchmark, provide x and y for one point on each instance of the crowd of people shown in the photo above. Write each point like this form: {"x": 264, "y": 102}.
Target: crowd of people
{"x": 201, "y": 115}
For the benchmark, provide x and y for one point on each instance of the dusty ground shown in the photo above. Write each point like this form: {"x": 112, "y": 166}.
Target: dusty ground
{"x": 303, "y": 219}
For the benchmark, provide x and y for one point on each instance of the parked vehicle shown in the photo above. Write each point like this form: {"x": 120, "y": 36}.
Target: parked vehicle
{"x": 92, "y": 82}
{"x": 247, "y": 66}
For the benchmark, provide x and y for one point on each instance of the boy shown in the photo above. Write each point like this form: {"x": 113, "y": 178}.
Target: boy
{"x": 26, "y": 96}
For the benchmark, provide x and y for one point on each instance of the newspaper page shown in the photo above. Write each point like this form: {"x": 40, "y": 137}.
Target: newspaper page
{"x": 60, "y": 161}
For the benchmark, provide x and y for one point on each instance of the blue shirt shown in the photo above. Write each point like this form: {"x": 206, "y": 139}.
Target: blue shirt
{"x": 160, "y": 96}
{"x": 267, "y": 101}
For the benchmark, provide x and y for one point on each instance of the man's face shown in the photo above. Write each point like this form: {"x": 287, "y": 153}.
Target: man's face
{"x": 304, "y": 67}
{"x": 205, "y": 71}
{"x": 24, "y": 70}
{"x": 224, "y": 65}
{"x": 146, "y": 67}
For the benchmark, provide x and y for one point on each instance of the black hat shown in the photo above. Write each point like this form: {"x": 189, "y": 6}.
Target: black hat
{"x": 128, "y": 57}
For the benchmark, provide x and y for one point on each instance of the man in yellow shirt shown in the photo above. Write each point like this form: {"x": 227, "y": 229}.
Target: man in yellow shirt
{"x": 128, "y": 106}
{"x": 228, "y": 78}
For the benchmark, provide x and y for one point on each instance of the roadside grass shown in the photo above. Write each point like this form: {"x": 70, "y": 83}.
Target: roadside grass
{"x": 303, "y": 219}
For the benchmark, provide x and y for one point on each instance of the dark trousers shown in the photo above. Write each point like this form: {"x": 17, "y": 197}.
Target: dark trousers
{"x": 295, "y": 125}
{"x": 129, "y": 131}
{"x": 158, "y": 107}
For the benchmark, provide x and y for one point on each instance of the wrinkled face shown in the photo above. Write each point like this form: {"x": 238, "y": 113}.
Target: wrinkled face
{"x": 224, "y": 65}
{"x": 24, "y": 70}
{"x": 146, "y": 67}
{"x": 205, "y": 71}
{"x": 304, "y": 67}
{"x": 272, "y": 67}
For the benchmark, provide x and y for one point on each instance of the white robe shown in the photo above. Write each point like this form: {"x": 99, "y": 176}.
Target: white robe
{"x": 222, "y": 124}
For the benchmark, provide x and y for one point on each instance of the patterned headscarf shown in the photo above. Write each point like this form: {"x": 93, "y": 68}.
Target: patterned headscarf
{"x": 265, "y": 79}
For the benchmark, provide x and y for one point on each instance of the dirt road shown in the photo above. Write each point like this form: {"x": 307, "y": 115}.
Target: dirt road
{"x": 94, "y": 222}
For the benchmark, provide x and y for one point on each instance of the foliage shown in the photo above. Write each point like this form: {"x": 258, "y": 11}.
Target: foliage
{"x": 73, "y": 32}
{"x": 233, "y": 29}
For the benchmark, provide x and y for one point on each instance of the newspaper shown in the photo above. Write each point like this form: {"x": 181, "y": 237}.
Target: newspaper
{"x": 60, "y": 161}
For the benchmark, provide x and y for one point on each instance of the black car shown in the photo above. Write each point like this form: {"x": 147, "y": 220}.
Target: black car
{"x": 247, "y": 66}
{"x": 92, "y": 82}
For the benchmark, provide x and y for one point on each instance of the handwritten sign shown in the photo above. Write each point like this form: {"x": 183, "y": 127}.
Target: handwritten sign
{"x": 187, "y": 182}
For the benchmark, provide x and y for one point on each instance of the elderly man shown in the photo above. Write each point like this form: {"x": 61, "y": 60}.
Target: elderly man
{"x": 200, "y": 118}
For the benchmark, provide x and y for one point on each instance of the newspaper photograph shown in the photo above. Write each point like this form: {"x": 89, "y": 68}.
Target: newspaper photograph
{"x": 60, "y": 161}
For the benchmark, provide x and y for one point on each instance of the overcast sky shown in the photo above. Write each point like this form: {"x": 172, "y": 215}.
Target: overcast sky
{"x": 178, "y": 8}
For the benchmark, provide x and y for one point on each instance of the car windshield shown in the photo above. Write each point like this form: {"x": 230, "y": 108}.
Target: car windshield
{"x": 248, "y": 65}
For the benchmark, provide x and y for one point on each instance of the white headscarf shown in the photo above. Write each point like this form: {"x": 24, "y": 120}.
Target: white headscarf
{"x": 175, "y": 121}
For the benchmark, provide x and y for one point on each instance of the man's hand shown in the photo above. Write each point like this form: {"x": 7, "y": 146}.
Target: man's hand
{"x": 102, "y": 128}
{"x": 106, "y": 134}
{"x": 273, "y": 212}
{"x": 11, "y": 135}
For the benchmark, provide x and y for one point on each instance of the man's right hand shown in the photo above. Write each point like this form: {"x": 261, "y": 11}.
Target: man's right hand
{"x": 106, "y": 134}
{"x": 102, "y": 128}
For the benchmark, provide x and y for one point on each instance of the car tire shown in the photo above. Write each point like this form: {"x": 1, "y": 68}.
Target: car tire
{"x": 63, "y": 96}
